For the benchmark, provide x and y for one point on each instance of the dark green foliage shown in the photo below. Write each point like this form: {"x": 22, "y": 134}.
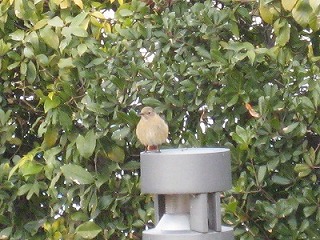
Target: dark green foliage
{"x": 72, "y": 81}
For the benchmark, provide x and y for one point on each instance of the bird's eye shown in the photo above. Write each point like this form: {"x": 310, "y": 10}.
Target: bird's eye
{"x": 149, "y": 113}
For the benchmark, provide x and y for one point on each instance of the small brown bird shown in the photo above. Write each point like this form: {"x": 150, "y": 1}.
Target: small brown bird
{"x": 151, "y": 130}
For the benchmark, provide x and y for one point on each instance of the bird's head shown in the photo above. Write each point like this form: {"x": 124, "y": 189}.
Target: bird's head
{"x": 147, "y": 112}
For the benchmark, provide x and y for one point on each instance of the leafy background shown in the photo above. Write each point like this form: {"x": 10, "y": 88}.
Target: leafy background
{"x": 241, "y": 74}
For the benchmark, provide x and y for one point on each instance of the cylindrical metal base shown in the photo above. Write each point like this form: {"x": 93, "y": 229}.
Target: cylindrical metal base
{"x": 154, "y": 234}
{"x": 186, "y": 185}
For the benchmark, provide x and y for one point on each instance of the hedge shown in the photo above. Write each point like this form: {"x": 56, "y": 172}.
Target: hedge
{"x": 239, "y": 74}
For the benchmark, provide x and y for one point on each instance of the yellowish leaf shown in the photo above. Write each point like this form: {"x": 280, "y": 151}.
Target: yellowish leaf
{"x": 121, "y": 2}
{"x": 315, "y": 4}
{"x": 98, "y": 15}
{"x": 50, "y": 138}
{"x": 79, "y": 3}
{"x": 116, "y": 154}
{"x": 40, "y": 24}
{"x": 57, "y": 1}
{"x": 302, "y": 13}
{"x": 64, "y": 4}
{"x": 50, "y": 95}
{"x": 288, "y": 4}
{"x": 27, "y": 157}
{"x": 107, "y": 27}
{"x": 266, "y": 14}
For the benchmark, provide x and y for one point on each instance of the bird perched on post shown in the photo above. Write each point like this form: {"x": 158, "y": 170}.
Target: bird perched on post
{"x": 151, "y": 130}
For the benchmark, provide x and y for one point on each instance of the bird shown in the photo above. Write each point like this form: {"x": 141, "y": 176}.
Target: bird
{"x": 151, "y": 130}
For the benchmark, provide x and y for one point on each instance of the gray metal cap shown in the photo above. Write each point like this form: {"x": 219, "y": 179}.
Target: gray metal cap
{"x": 186, "y": 171}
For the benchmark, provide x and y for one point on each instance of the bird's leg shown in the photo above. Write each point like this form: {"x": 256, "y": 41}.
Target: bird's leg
{"x": 153, "y": 148}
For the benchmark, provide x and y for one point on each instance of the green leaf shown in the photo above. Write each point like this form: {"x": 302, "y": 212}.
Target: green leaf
{"x": 315, "y": 4}
{"x": 33, "y": 226}
{"x": 282, "y": 31}
{"x": 301, "y": 167}
{"x": 82, "y": 48}
{"x": 66, "y": 63}
{"x": 28, "y": 52}
{"x": 35, "y": 189}
{"x": 4, "y": 47}
{"x": 203, "y": 52}
{"x": 42, "y": 59}
{"x": 125, "y": 12}
{"x": 121, "y": 133}
{"x": 290, "y": 128}
{"x": 116, "y": 154}
{"x": 242, "y": 137}
{"x": 24, "y": 189}
{"x": 77, "y": 174}
{"x": 18, "y": 35}
{"x": 78, "y": 20}
{"x": 27, "y": 157}
{"x": 51, "y": 103}
{"x": 303, "y": 170}
{"x": 138, "y": 223}
{"x": 95, "y": 62}
{"x": 18, "y": 8}
{"x": 31, "y": 72}
{"x": 56, "y": 22}
{"x": 88, "y": 230}
{"x": 280, "y": 180}
{"x": 132, "y": 165}
{"x": 308, "y": 211}
{"x": 142, "y": 214}
{"x": 78, "y": 31}
{"x": 6, "y": 232}
{"x": 130, "y": 118}
{"x": 151, "y": 102}
{"x": 50, "y": 37}
{"x": 301, "y": 13}
{"x": 233, "y": 101}
{"x": 31, "y": 168}
{"x": 79, "y": 216}
{"x": 307, "y": 103}
{"x": 4, "y": 116}
{"x": 304, "y": 173}
{"x": 105, "y": 202}
{"x": 86, "y": 144}
{"x": 262, "y": 173}
{"x": 65, "y": 120}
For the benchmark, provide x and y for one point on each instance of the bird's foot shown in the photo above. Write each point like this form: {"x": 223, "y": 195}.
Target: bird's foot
{"x": 152, "y": 148}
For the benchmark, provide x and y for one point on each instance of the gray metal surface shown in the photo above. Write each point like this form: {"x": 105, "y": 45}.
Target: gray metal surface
{"x": 199, "y": 213}
{"x": 183, "y": 171}
{"x": 186, "y": 184}
{"x": 214, "y": 211}
{"x": 155, "y": 234}
{"x": 177, "y": 203}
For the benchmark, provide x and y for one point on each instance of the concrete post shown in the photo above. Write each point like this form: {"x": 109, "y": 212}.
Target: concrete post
{"x": 186, "y": 184}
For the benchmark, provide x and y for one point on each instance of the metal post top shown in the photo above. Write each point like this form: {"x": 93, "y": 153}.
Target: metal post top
{"x": 186, "y": 170}
{"x": 186, "y": 151}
